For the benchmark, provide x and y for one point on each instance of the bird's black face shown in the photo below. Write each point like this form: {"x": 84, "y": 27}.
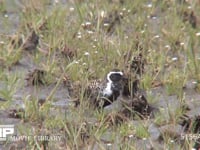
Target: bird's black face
{"x": 117, "y": 81}
{"x": 116, "y": 77}
{"x": 114, "y": 87}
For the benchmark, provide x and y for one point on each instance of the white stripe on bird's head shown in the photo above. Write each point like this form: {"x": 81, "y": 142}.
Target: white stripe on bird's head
{"x": 107, "y": 91}
{"x": 113, "y": 72}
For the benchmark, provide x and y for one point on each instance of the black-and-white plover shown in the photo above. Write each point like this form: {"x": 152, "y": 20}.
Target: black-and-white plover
{"x": 105, "y": 92}
{"x": 116, "y": 87}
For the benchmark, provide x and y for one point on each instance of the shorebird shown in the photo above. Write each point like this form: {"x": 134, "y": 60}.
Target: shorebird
{"x": 123, "y": 87}
{"x": 104, "y": 93}
{"x": 116, "y": 87}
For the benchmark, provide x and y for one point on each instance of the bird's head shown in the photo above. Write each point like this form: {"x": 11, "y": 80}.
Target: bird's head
{"x": 114, "y": 82}
{"x": 113, "y": 87}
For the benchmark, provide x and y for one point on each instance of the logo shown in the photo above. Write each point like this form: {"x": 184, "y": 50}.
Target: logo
{"x": 7, "y": 134}
{"x": 6, "y": 130}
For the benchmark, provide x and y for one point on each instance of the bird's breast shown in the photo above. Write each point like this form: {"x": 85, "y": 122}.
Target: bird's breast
{"x": 107, "y": 90}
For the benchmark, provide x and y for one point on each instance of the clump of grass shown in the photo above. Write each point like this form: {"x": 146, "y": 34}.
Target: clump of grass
{"x": 2, "y": 7}
{"x": 192, "y": 58}
{"x": 141, "y": 131}
{"x": 10, "y": 86}
{"x": 9, "y": 56}
{"x": 175, "y": 82}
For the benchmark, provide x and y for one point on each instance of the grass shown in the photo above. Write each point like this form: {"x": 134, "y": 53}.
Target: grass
{"x": 169, "y": 45}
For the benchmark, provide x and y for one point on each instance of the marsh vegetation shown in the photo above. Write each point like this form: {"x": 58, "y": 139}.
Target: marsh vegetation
{"x": 50, "y": 50}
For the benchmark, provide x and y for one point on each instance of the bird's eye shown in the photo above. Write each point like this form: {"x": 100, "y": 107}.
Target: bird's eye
{"x": 115, "y": 77}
